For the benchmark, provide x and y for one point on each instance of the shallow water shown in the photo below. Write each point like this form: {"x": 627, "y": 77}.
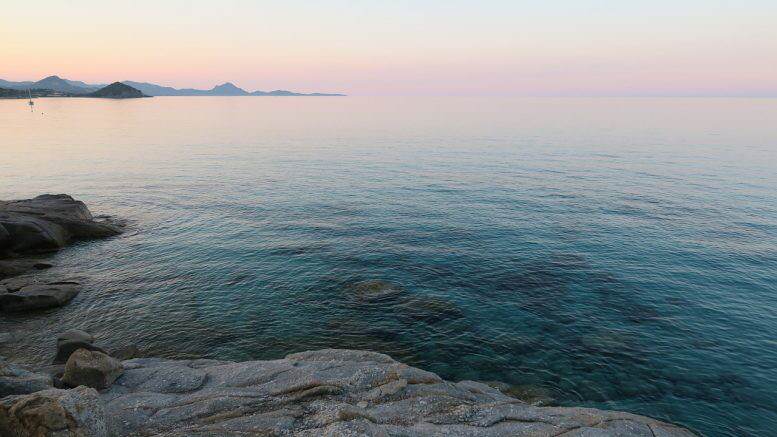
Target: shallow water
{"x": 617, "y": 253}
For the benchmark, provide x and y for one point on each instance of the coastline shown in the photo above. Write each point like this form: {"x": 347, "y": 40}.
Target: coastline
{"x": 326, "y": 392}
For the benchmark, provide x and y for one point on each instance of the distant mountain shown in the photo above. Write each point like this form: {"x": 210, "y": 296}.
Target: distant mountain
{"x": 225, "y": 89}
{"x": 15, "y": 85}
{"x": 228, "y": 89}
{"x": 54, "y": 83}
{"x": 282, "y": 93}
{"x": 117, "y": 90}
{"x": 80, "y": 84}
{"x": 57, "y": 84}
{"x": 151, "y": 89}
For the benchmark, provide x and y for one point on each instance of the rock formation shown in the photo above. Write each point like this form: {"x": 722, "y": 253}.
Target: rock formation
{"x": 71, "y": 341}
{"x": 54, "y": 413}
{"x": 336, "y": 392}
{"x": 39, "y": 296}
{"x": 329, "y": 392}
{"x": 92, "y": 369}
{"x": 117, "y": 90}
{"x": 332, "y": 392}
{"x": 31, "y": 227}
{"x": 47, "y": 223}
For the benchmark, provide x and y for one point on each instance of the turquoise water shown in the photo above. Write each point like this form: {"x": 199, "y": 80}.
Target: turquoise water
{"x": 615, "y": 253}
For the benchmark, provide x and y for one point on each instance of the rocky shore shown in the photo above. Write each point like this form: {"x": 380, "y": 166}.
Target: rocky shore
{"x": 32, "y": 228}
{"x": 89, "y": 391}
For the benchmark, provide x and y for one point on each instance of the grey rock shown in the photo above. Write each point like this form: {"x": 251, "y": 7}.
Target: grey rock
{"x": 40, "y": 296}
{"x": 29, "y": 233}
{"x": 74, "y": 335}
{"x": 12, "y": 285}
{"x": 15, "y": 267}
{"x": 92, "y": 369}
{"x": 15, "y": 380}
{"x": 46, "y": 223}
{"x": 54, "y": 413}
{"x": 72, "y": 340}
{"x": 336, "y": 392}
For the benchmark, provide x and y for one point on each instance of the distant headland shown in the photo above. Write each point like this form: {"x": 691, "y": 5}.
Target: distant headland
{"x": 55, "y": 86}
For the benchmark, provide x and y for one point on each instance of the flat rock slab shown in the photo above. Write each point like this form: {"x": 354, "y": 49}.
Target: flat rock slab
{"x": 15, "y": 380}
{"x": 336, "y": 392}
{"x": 39, "y": 296}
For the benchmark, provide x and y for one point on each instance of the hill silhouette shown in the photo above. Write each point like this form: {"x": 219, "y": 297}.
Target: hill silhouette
{"x": 117, "y": 90}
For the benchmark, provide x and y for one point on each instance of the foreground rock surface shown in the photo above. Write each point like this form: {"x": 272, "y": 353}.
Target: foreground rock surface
{"x": 53, "y": 413}
{"x": 336, "y": 392}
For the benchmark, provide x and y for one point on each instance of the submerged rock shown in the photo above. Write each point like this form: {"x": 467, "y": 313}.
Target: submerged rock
{"x": 431, "y": 309}
{"x": 53, "y": 413}
{"x": 92, "y": 369}
{"x": 375, "y": 290}
{"x": 39, "y": 296}
{"x": 336, "y": 392}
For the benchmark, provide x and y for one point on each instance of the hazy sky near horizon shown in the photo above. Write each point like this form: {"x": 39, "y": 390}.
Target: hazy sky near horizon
{"x": 402, "y": 47}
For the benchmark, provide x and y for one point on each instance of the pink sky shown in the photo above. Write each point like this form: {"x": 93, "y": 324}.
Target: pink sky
{"x": 425, "y": 47}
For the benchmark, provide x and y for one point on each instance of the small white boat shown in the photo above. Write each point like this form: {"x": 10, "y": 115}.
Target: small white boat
{"x": 31, "y": 103}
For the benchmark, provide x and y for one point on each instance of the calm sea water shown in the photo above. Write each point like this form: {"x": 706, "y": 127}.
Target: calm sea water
{"x": 614, "y": 253}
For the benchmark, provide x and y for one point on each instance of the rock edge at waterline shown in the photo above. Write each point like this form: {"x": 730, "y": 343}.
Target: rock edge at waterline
{"x": 331, "y": 392}
{"x": 31, "y": 228}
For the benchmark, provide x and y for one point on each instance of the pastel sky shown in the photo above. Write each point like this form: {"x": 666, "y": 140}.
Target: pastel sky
{"x": 402, "y": 47}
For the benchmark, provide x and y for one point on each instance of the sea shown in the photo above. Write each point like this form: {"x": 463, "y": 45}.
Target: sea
{"x": 617, "y": 253}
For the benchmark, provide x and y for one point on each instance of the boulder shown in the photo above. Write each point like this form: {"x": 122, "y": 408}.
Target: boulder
{"x": 54, "y": 413}
{"x": 75, "y": 335}
{"x": 15, "y": 380}
{"x": 47, "y": 222}
{"x": 39, "y": 296}
{"x": 29, "y": 233}
{"x": 92, "y": 369}
{"x": 72, "y": 340}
